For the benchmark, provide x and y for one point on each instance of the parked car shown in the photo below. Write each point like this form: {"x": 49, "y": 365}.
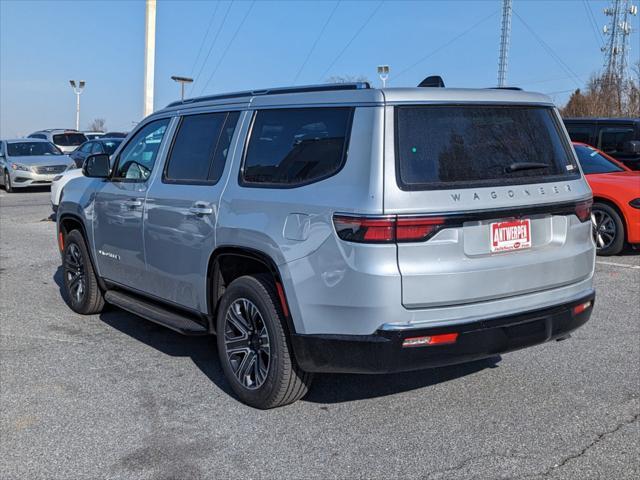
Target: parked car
{"x": 102, "y": 145}
{"x": 617, "y": 137}
{"x": 66, "y": 140}
{"x": 93, "y": 135}
{"x": 115, "y": 134}
{"x": 616, "y": 200}
{"x": 338, "y": 228}
{"x": 30, "y": 162}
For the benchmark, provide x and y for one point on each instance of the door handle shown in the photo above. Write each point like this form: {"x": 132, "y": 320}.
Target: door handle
{"x": 134, "y": 203}
{"x": 201, "y": 208}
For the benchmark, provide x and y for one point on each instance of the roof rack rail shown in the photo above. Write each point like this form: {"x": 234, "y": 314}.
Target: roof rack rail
{"x": 504, "y": 88}
{"x": 275, "y": 91}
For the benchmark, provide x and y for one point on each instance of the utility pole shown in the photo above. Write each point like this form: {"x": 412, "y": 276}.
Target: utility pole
{"x": 149, "y": 55}
{"x": 505, "y": 39}
{"x": 77, "y": 89}
{"x": 616, "y": 51}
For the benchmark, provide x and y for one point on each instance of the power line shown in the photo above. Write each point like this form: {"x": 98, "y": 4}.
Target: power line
{"x": 592, "y": 21}
{"x": 445, "y": 45}
{"x": 215, "y": 39}
{"x": 352, "y": 39}
{"x": 550, "y": 51}
{"x": 224, "y": 53}
{"x": 206, "y": 34}
{"x": 315, "y": 43}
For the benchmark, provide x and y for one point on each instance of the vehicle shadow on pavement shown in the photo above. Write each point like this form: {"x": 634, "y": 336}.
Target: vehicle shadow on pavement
{"x": 326, "y": 388}
{"x": 338, "y": 388}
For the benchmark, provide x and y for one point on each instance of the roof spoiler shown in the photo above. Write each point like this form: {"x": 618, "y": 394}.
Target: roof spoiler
{"x": 434, "y": 81}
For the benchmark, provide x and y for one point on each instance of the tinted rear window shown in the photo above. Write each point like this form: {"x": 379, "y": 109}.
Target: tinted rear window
{"x": 294, "y": 147}
{"x": 110, "y": 146}
{"x": 592, "y": 161}
{"x": 464, "y": 146}
{"x": 201, "y": 140}
{"x": 69, "y": 139}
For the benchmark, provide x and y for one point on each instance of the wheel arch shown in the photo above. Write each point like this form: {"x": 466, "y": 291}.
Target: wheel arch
{"x": 68, "y": 222}
{"x": 227, "y": 263}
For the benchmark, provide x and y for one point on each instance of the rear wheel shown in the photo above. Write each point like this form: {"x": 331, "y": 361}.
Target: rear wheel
{"x": 253, "y": 348}
{"x": 80, "y": 283}
{"x": 7, "y": 182}
{"x": 608, "y": 229}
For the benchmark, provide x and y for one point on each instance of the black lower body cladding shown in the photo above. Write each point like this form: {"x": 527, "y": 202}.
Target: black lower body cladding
{"x": 383, "y": 352}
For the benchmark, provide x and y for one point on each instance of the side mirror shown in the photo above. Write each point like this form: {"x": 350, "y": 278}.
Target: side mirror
{"x": 96, "y": 166}
{"x": 632, "y": 147}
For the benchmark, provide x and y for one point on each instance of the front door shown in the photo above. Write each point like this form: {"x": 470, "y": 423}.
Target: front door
{"x": 119, "y": 207}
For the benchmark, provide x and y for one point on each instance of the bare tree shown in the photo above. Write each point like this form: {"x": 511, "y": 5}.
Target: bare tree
{"x": 606, "y": 96}
{"x": 97, "y": 125}
{"x": 347, "y": 79}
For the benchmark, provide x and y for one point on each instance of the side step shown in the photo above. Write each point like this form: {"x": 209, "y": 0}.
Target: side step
{"x": 156, "y": 313}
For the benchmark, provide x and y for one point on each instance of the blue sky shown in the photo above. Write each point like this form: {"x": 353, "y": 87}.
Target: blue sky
{"x": 43, "y": 44}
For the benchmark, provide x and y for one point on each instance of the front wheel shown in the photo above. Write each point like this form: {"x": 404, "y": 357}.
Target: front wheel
{"x": 80, "y": 282}
{"x": 7, "y": 182}
{"x": 608, "y": 229}
{"x": 253, "y": 348}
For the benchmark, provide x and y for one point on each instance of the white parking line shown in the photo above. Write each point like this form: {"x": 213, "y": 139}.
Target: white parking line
{"x": 613, "y": 264}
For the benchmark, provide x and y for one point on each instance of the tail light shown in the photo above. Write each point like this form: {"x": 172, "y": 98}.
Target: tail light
{"x": 583, "y": 210}
{"x": 442, "y": 339}
{"x": 386, "y": 229}
{"x": 578, "y": 309}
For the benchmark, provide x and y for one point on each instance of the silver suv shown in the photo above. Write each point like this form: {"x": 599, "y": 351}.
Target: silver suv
{"x": 66, "y": 140}
{"x": 338, "y": 228}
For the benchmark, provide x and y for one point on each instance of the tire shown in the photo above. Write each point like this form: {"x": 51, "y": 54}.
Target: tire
{"x": 249, "y": 309}
{"x": 608, "y": 229}
{"x": 83, "y": 294}
{"x": 7, "y": 182}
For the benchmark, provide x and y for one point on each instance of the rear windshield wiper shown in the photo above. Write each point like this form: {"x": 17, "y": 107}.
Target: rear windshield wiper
{"x": 516, "y": 166}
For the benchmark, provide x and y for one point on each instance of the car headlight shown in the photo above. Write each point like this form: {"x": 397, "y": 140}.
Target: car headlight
{"x": 19, "y": 166}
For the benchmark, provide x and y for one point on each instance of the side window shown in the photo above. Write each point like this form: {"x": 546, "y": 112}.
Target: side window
{"x": 293, "y": 147}
{"x": 580, "y": 133}
{"x": 611, "y": 139}
{"x": 96, "y": 147}
{"x": 196, "y": 144}
{"x": 86, "y": 148}
{"x": 137, "y": 159}
{"x": 222, "y": 150}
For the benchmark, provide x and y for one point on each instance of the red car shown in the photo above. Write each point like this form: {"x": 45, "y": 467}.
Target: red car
{"x": 616, "y": 200}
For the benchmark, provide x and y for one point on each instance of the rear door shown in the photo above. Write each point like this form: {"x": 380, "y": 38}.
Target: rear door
{"x": 182, "y": 208}
{"x": 496, "y": 190}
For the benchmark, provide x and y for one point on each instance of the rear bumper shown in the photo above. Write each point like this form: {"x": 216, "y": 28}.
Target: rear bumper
{"x": 382, "y": 352}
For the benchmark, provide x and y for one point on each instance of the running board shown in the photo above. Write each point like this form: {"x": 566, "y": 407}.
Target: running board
{"x": 156, "y": 313}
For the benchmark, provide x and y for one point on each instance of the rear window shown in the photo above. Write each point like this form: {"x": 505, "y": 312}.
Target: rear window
{"x": 464, "y": 146}
{"x": 110, "y": 146}
{"x": 294, "y": 147}
{"x": 69, "y": 139}
{"x": 592, "y": 161}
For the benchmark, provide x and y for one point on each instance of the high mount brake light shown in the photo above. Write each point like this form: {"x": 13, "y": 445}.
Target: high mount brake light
{"x": 386, "y": 229}
{"x": 583, "y": 210}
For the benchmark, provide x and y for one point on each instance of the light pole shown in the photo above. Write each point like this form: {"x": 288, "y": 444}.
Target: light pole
{"x": 149, "y": 55}
{"x": 383, "y": 73}
{"x": 182, "y": 81}
{"x": 77, "y": 89}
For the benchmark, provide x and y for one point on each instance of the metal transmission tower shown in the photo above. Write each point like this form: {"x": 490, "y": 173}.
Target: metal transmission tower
{"x": 505, "y": 38}
{"x": 619, "y": 29}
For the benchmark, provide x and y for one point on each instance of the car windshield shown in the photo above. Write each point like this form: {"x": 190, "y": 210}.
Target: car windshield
{"x": 69, "y": 139}
{"x": 30, "y": 149}
{"x": 479, "y": 145}
{"x": 593, "y": 162}
{"x": 110, "y": 146}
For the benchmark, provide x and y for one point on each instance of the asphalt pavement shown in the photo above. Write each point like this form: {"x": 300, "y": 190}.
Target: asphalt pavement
{"x": 115, "y": 396}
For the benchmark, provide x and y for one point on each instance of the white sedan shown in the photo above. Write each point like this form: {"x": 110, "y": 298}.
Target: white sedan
{"x": 59, "y": 181}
